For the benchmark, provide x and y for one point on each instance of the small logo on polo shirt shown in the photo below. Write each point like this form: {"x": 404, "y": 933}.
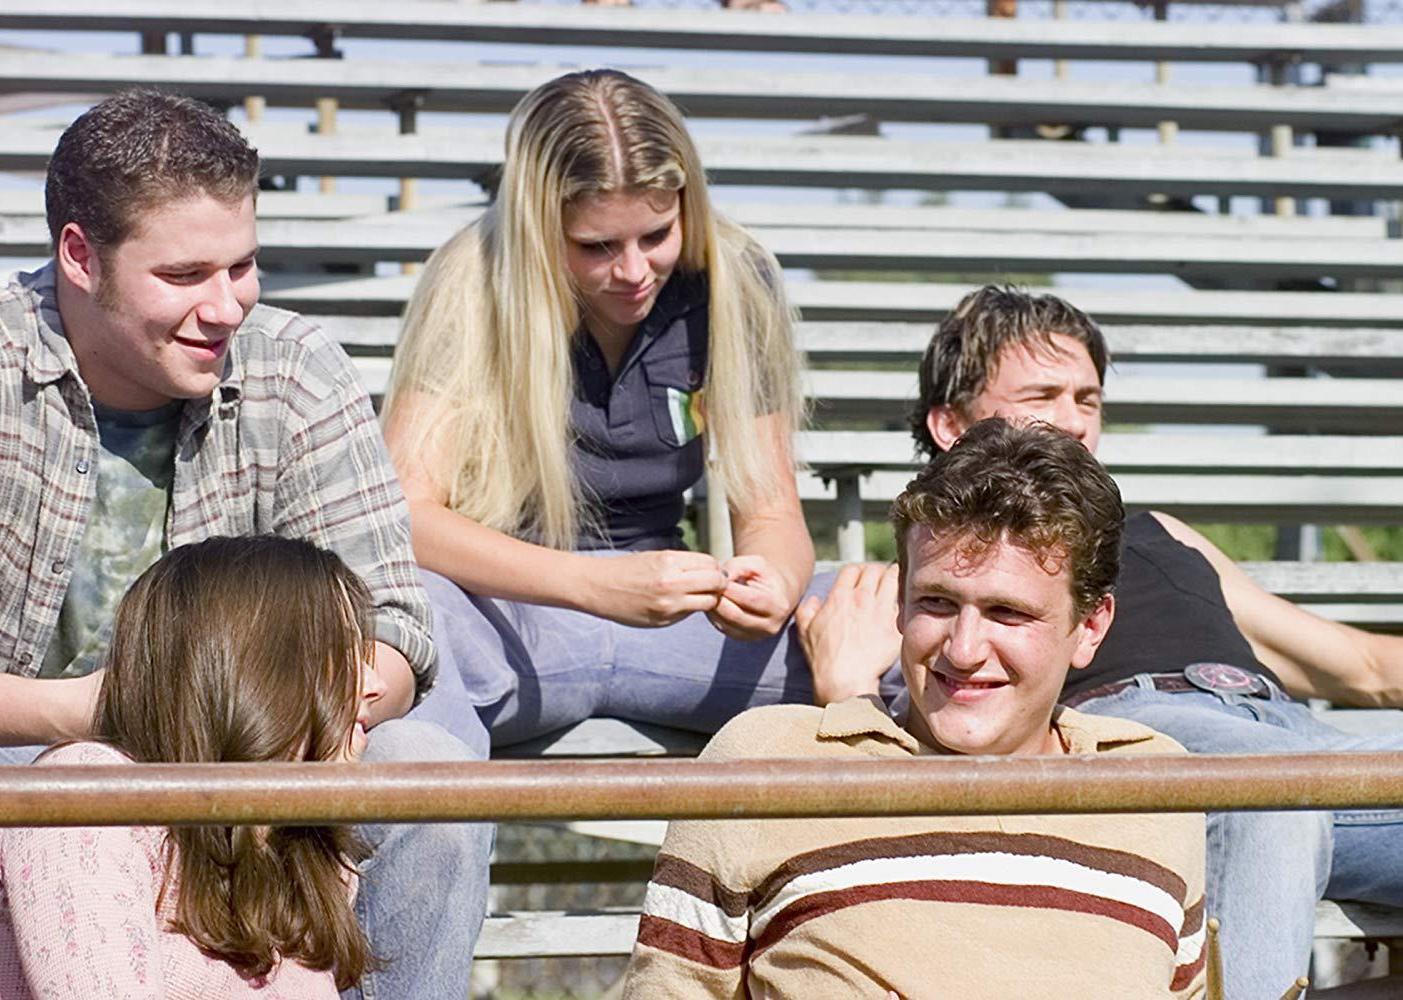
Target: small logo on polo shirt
{"x": 688, "y": 413}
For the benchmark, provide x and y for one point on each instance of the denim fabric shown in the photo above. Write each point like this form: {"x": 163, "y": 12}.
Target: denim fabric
{"x": 530, "y": 669}
{"x": 1266, "y": 870}
{"x": 10, "y": 756}
{"x": 423, "y": 890}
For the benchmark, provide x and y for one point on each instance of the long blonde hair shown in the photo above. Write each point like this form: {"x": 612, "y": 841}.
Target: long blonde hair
{"x": 482, "y": 379}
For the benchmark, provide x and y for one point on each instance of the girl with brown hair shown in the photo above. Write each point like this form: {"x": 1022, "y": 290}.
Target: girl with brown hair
{"x": 230, "y": 650}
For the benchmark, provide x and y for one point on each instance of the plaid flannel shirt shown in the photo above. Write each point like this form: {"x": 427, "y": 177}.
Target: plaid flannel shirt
{"x": 287, "y": 444}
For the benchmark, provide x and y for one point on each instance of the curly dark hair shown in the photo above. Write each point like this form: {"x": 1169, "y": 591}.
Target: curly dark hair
{"x": 1032, "y": 485}
{"x": 137, "y": 149}
{"x": 964, "y": 353}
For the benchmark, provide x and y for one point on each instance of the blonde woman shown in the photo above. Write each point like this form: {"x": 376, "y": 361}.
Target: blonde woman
{"x": 566, "y": 366}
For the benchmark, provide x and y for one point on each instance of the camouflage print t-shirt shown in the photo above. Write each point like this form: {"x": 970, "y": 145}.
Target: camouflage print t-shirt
{"x": 125, "y": 532}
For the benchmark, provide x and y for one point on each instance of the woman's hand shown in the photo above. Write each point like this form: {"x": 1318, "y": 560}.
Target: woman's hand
{"x": 756, "y": 603}
{"x": 651, "y": 589}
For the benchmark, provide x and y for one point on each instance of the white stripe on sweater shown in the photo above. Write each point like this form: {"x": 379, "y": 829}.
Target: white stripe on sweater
{"x": 993, "y": 867}
{"x": 695, "y": 914}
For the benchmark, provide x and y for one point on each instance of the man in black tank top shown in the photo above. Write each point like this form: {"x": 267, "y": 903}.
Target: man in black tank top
{"x": 1197, "y": 650}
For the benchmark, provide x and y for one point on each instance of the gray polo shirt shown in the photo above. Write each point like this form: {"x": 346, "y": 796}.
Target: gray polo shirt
{"x": 639, "y": 440}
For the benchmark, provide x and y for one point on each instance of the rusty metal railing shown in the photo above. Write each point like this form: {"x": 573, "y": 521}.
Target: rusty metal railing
{"x": 280, "y": 794}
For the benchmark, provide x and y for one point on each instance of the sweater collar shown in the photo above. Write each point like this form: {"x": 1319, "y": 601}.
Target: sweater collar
{"x": 1081, "y": 734}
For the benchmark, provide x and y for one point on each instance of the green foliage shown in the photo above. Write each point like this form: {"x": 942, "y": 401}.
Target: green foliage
{"x": 1386, "y": 541}
{"x": 1243, "y": 542}
{"x": 1257, "y": 542}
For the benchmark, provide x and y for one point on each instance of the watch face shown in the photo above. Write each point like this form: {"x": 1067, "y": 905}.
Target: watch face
{"x": 1224, "y": 678}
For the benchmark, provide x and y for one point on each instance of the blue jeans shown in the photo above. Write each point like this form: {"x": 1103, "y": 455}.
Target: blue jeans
{"x": 423, "y": 890}
{"x": 529, "y": 669}
{"x": 1266, "y": 870}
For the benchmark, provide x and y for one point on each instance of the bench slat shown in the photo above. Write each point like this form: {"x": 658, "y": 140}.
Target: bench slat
{"x": 834, "y": 162}
{"x": 737, "y": 93}
{"x": 448, "y": 213}
{"x": 309, "y": 243}
{"x": 1377, "y": 352}
{"x": 829, "y": 34}
{"x": 1208, "y": 497}
{"x": 917, "y": 302}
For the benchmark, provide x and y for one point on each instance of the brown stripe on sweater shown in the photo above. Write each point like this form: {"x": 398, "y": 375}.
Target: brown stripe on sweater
{"x": 980, "y": 842}
{"x": 1193, "y": 918}
{"x": 679, "y": 874}
{"x": 1028, "y": 896}
{"x": 1184, "y": 974}
{"x": 663, "y": 934}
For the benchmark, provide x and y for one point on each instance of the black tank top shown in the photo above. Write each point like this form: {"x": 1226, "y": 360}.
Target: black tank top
{"x": 1170, "y": 612}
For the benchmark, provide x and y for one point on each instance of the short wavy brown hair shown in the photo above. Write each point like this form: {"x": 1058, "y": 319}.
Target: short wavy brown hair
{"x": 964, "y": 353}
{"x": 1033, "y": 486}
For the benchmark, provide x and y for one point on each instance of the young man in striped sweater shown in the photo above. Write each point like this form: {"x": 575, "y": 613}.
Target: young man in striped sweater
{"x": 1009, "y": 547}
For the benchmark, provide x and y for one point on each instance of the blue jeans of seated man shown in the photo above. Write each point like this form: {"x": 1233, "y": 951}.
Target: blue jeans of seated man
{"x": 423, "y": 890}
{"x": 530, "y": 669}
{"x": 18, "y": 755}
{"x": 1266, "y": 870}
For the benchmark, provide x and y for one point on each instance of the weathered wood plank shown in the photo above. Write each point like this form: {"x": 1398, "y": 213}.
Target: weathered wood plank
{"x": 915, "y": 302}
{"x": 834, "y": 162}
{"x": 1269, "y": 499}
{"x": 557, "y": 934}
{"x": 1378, "y": 352}
{"x": 830, "y": 34}
{"x": 609, "y": 738}
{"x": 1142, "y": 453}
{"x": 448, "y": 213}
{"x": 310, "y": 243}
{"x": 737, "y": 93}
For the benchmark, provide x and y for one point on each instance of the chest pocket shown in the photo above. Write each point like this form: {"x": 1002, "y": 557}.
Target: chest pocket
{"x": 676, "y": 397}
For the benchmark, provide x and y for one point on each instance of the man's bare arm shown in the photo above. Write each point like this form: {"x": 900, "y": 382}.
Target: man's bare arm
{"x": 1314, "y": 657}
{"x": 39, "y": 712}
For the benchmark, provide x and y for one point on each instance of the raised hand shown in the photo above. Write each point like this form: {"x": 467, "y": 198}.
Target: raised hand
{"x": 652, "y": 589}
{"x": 756, "y": 603}
{"x": 850, "y": 637}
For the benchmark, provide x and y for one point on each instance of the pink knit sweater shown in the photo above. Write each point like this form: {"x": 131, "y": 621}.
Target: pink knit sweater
{"x": 78, "y": 919}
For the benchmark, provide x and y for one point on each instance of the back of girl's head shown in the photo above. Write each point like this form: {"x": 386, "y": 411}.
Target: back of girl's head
{"x": 237, "y": 649}
{"x": 247, "y": 649}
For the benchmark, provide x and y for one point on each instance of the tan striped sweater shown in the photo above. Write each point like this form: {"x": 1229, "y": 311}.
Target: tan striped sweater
{"x": 960, "y": 907}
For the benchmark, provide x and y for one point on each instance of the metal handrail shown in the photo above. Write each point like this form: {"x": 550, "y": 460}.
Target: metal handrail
{"x": 297, "y": 794}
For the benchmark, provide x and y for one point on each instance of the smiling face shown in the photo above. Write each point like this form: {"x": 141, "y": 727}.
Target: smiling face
{"x": 1057, "y": 385}
{"x": 154, "y": 315}
{"x": 620, "y": 249}
{"x": 987, "y": 638}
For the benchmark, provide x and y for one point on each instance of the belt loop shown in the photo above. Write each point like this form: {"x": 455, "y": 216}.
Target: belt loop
{"x": 1145, "y": 682}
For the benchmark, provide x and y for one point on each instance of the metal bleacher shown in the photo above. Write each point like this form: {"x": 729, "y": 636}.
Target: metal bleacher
{"x": 1263, "y": 387}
